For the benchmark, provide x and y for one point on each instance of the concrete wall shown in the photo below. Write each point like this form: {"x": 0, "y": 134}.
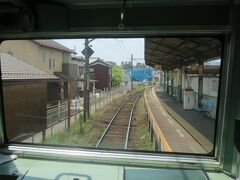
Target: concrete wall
{"x": 25, "y": 109}
{"x": 36, "y": 55}
{"x": 210, "y": 85}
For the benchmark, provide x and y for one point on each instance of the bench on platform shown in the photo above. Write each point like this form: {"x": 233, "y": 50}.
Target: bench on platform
{"x": 207, "y": 106}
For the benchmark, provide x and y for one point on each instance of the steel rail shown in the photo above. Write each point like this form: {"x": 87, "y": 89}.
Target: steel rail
{"x": 129, "y": 122}
{"x": 113, "y": 118}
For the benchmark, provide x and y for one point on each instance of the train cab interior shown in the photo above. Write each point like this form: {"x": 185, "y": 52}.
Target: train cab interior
{"x": 178, "y": 37}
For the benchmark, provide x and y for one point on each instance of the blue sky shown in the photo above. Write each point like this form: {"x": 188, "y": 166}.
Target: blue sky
{"x": 115, "y": 50}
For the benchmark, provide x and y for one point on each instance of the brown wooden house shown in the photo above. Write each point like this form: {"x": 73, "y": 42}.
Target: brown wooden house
{"x": 25, "y": 94}
{"x": 102, "y": 72}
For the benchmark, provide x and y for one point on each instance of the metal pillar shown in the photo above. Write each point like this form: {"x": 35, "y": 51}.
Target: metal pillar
{"x": 200, "y": 82}
{"x": 165, "y": 78}
{"x": 131, "y": 72}
{"x": 172, "y": 83}
{"x": 167, "y": 82}
{"x": 179, "y": 88}
{"x": 183, "y": 80}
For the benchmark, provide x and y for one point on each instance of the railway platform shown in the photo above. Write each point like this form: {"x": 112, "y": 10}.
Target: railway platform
{"x": 173, "y": 132}
{"x": 200, "y": 122}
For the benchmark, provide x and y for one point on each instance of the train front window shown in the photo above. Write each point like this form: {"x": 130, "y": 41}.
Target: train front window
{"x": 131, "y": 94}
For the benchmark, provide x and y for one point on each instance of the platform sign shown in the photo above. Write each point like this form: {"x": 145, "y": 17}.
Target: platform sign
{"x": 90, "y": 51}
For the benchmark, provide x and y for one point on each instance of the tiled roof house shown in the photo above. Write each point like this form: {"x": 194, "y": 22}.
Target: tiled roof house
{"x": 14, "y": 69}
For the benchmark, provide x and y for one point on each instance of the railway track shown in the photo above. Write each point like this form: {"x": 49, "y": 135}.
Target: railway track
{"x": 116, "y": 134}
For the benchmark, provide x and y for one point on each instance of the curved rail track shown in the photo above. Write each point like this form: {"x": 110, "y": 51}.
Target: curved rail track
{"x": 116, "y": 135}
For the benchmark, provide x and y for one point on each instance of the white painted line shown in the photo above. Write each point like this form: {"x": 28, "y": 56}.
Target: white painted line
{"x": 180, "y": 133}
{"x": 170, "y": 121}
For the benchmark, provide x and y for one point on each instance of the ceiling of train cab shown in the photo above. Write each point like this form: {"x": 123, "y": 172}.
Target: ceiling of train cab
{"x": 91, "y": 2}
{"x": 170, "y": 53}
{"x": 103, "y": 17}
{"x": 129, "y": 3}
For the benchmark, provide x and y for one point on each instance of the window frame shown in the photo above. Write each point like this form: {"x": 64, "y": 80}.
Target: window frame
{"x": 43, "y": 57}
{"x": 80, "y": 69}
{"x": 50, "y": 63}
{"x": 53, "y": 65}
{"x": 129, "y": 158}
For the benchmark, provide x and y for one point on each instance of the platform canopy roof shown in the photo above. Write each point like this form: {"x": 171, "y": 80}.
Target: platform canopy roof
{"x": 171, "y": 53}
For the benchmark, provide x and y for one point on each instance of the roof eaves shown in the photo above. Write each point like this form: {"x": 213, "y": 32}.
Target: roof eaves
{"x": 100, "y": 62}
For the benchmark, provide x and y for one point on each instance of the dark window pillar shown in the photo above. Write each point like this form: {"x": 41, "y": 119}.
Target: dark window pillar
{"x": 164, "y": 80}
{"x": 179, "y": 88}
{"x": 167, "y": 81}
{"x": 172, "y": 83}
{"x": 200, "y": 82}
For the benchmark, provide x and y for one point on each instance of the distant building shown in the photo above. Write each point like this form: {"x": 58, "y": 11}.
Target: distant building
{"x": 140, "y": 74}
{"x": 25, "y": 90}
{"x": 102, "y": 72}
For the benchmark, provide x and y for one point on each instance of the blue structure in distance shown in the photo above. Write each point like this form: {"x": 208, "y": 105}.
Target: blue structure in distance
{"x": 142, "y": 73}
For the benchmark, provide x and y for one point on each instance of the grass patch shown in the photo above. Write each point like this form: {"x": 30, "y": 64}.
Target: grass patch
{"x": 78, "y": 135}
{"x": 139, "y": 86}
{"x": 143, "y": 138}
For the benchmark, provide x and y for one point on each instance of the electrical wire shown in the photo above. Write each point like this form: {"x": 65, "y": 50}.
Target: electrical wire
{"x": 124, "y": 50}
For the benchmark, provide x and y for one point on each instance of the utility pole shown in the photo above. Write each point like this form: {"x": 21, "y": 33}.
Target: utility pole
{"x": 131, "y": 72}
{"x": 86, "y": 82}
{"x": 87, "y": 52}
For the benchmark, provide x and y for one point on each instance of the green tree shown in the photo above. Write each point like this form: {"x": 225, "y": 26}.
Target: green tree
{"x": 117, "y": 75}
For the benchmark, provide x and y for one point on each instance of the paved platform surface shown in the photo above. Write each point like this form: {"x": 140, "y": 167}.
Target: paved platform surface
{"x": 200, "y": 122}
{"x": 176, "y": 136}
